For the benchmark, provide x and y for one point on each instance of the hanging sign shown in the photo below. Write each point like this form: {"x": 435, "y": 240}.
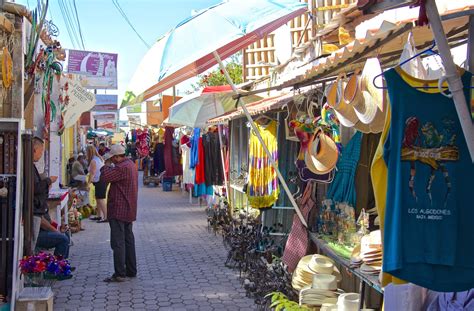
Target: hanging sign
{"x": 105, "y": 102}
{"x": 134, "y": 109}
{"x": 98, "y": 70}
{"x": 79, "y": 100}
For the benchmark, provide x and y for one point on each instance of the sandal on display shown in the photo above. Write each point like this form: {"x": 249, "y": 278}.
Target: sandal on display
{"x": 101, "y": 220}
{"x": 95, "y": 218}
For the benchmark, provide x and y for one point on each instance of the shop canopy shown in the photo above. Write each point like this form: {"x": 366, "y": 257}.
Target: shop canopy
{"x": 191, "y": 47}
{"x": 255, "y": 108}
{"x": 199, "y": 42}
{"x": 92, "y": 133}
{"x": 194, "y": 110}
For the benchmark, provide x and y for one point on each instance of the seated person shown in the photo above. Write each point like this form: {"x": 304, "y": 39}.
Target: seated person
{"x": 50, "y": 237}
{"x": 78, "y": 175}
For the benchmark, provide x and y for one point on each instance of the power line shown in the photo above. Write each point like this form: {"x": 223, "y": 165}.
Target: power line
{"x": 79, "y": 25}
{"x": 124, "y": 15}
{"x": 68, "y": 28}
{"x": 68, "y": 13}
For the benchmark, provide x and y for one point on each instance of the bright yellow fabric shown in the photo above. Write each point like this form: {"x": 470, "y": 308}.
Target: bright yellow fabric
{"x": 379, "y": 172}
{"x": 419, "y": 83}
{"x": 263, "y": 187}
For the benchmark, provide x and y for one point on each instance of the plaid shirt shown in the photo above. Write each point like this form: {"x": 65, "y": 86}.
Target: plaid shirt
{"x": 123, "y": 192}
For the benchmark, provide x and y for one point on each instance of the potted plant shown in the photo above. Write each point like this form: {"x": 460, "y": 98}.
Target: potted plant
{"x": 43, "y": 269}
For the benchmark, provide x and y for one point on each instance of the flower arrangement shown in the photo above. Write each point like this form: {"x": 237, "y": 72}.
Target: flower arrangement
{"x": 44, "y": 266}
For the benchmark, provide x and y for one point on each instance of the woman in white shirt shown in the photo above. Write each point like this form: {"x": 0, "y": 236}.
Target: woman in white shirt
{"x": 95, "y": 164}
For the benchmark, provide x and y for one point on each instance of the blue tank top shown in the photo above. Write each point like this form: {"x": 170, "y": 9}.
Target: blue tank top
{"x": 429, "y": 217}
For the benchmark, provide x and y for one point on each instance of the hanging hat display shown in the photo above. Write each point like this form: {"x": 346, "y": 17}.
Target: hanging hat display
{"x": 367, "y": 100}
{"x": 344, "y": 112}
{"x": 322, "y": 154}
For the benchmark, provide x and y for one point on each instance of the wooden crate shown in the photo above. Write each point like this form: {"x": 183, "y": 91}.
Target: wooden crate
{"x": 260, "y": 57}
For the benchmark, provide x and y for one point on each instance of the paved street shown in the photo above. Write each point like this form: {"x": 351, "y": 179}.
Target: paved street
{"x": 180, "y": 264}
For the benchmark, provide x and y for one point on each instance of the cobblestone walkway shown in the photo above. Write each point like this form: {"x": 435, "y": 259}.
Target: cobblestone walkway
{"x": 180, "y": 264}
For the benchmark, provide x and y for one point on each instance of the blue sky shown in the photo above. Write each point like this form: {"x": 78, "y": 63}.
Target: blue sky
{"x": 105, "y": 30}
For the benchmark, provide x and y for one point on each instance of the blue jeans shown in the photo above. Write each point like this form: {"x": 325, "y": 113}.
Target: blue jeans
{"x": 53, "y": 239}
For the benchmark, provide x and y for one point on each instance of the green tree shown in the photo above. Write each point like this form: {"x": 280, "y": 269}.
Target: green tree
{"x": 216, "y": 76}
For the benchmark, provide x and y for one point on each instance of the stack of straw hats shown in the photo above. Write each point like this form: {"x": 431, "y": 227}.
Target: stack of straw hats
{"x": 345, "y": 302}
{"x": 323, "y": 290}
{"x": 369, "y": 254}
{"x": 311, "y": 265}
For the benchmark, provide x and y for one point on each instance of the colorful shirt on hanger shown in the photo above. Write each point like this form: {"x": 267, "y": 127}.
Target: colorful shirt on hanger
{"x": 263, "y": 187}
{"x": 429, "y": 214}
{"x": 195, "y": 148}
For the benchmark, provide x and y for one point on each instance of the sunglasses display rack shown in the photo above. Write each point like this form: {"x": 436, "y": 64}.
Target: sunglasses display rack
{"x": 10, "y": 190}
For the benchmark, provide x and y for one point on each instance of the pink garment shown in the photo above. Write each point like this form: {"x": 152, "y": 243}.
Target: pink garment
{"x": 297, "y": 243}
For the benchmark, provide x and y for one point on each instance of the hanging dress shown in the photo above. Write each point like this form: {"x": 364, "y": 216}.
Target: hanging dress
{"x": 159, "y": 158}
{"x": 188, "y": 172}
{"x": 200, "y": 187}
{"x": 263, "y": 187}
{"x": 169, "y": 161}
{"x": 213, "y": 170}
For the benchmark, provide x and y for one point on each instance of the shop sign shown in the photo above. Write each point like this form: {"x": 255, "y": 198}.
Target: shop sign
{"x": 134, "y": 109}
{"x": 122, "y": 123}
{"x": 98, "y": 70}
{"x": 105, "y": 116}
{"x": 80, "y": 100}
{"x": 135, "y": 121}
{"x": 106, "y": 124}
{"x": 105, "y": 102}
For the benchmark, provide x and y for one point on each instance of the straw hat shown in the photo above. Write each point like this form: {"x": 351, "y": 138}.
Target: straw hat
{"x": 320, "y": 264}
{"x": 328, "y": 306}
{"x": 303, "y": 275}
{"x": 324, "y": 282}
{"x": 367, "y": 100}
{"x": 344, "y": 112}
{"x": 322, "y": 154}
{"x": 348, "y": 302}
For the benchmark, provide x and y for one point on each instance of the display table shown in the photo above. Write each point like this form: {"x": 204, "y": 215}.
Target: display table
{"x": 365, "y": 279}
{"x": 59, "y": 199}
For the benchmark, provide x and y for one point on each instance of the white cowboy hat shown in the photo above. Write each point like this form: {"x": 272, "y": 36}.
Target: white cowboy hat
{"x": 348, "y": 302}
{"x": 321, "y": 265}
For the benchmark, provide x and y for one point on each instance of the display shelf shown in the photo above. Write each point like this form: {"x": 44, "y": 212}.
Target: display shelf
{"x": 7, "y": 175}
{"x": 371, "y": 280}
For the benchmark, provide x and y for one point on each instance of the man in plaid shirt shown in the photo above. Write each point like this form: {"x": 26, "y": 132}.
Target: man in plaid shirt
{"x": 122, "y": 211}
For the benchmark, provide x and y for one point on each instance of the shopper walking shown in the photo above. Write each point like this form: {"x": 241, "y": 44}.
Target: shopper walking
{"x": 122, "y": 175}
{"x": 95, "y": 164}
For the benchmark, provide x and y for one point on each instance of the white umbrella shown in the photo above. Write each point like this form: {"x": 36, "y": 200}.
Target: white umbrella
{"x": 196, "y": 109}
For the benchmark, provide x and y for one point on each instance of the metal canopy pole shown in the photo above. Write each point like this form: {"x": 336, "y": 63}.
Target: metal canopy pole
{"x": 452, "y": 76}
{"x": 265, "y": 148}
{"x": 227, "y": 192}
